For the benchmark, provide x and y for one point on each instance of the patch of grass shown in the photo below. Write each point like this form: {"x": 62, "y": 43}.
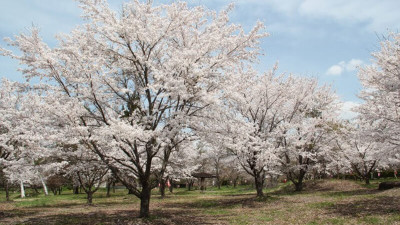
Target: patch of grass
{"x": 321, "y": 205}
{"x": 225, "y": 190}
{"x": 38, "y": 202}
{"x": 394, "y": 219}
{"x": 371, "y": 220}
{"x": 264, "y": 218}
{"x": 374, "y": 183}
{"x": 240, "y": 219}
{"x": 216, "y": 211}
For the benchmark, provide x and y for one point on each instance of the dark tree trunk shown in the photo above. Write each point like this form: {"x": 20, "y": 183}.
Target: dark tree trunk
{"x": 367, "y": 177}
{"x": 171, "y": 186}
{"x": 59, "y": 190}
{"x": 235, "y": 182}
{"x": 108, "y": 189}
{"x": 218, "y": 183}
{"x": 76, "y": 190}
{"x": 113, "y": 186}
{"x": 162, "y": 188}
{"x": 190, "y": 185}
{"x": 7, "y": 192}
{"x": 259, "y": 182}
{"x": 89, "y": 197}
{"x": 299, "y": 186}
{"x": 145, "y": 202}
{"x": 36, "y": 190}
{"x": 202, "y": 185}
{"x": 130, "y": 192}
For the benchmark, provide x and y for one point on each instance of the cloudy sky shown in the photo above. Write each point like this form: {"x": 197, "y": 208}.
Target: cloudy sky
{"x": 328, "y": 39}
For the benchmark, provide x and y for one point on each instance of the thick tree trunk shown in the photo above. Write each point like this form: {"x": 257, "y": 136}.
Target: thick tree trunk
{"x": 46, "y": 192}
{"x": 7, "y": 192}
{"x": 145, "y": 202}
{"x": 59, "y": 190}
{"x": 368, "y": 177}
{"x": 259, "y": 181}
{"x": 162, "y": 188}
{"x": 299, "y": 186}
{"x": 89, "y": 197}
{"x": 22, "y": 189}
{"x": 190, "y": 184}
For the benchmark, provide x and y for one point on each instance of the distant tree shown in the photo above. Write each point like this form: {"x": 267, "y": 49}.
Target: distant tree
{"x": 363, "y": 153}
{"x": 87, "y": 168}
{"x": 274, "y": 124}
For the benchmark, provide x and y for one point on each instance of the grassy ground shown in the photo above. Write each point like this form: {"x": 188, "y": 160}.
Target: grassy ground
{"x": 323, "y": 202}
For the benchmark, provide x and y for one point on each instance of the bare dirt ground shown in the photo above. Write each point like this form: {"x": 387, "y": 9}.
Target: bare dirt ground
{"x": 323, "y": 202}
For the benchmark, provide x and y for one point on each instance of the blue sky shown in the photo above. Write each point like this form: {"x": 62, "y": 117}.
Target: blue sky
{"x": 327, "y": 39}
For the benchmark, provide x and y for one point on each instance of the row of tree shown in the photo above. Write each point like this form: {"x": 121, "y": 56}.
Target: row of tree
{"x": 133, "y": 94}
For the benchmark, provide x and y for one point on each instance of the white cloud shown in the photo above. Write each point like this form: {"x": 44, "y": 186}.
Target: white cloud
{"x": 353, "y": 64}
{"x": 342, "y": 66}
{"x": 334, "y": 70}
{"x": 347, "y": 112}
{"x": 377, "y": 16}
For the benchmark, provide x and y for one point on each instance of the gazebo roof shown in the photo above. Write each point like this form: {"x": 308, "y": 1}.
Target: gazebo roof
{"x": 203, "y": 175}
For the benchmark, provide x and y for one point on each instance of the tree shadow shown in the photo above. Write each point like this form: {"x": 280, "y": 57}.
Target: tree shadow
{"x": 122, "y": 217}
{"x": 378, "y": 205}
{"x": 352, "y": 193}
{"x": 240, "y": 201}
{"x": 6, "y": 214}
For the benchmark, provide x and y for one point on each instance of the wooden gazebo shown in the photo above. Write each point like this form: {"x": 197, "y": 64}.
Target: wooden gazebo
{"x": 203, "y": 176}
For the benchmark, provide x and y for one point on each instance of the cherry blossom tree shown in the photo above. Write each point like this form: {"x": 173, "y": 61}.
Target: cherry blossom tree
{"x": 24, "y": 150}
{"x": 309, "y": 131}
{"x": 84, "y": 166}
{"x": 15, "y": 138}
{"x": 8, "y": 102}
{"x": 381, "y": 95}
{"x": 361, "y": 151}
{"x": 274, "y": 124}
{"x": 126, "y": 84}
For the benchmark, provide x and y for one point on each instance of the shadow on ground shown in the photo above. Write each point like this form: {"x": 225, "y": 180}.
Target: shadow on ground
{"x": 157, "y": 217}
{"x": 379, "y": 206}
{"x": 240, "y": 201}
{"x": 353, "y": 193}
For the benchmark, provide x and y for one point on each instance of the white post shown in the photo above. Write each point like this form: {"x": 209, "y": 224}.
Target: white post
{"x": 22, "y": 189}
{"x": 44, "y": 187}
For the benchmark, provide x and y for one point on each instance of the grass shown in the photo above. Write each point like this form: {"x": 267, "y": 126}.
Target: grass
{"x": 321, "y": 205}
{"x": 321, "y": 202}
